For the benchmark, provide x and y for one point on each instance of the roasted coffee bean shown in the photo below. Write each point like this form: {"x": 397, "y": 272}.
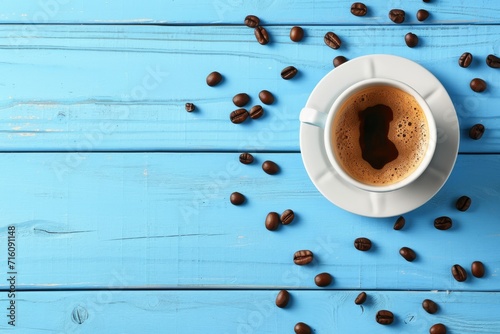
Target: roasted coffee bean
{"x": 252, "y": 21}
{"x": 189, "y": 107}
{"x": 360, "y": 299}
{"x": 408, "y": 254}
{"x": 272, "y": 221}
{"x": 288, "y": 72}
{"x": 237, "y": 198}
{"x": 302, "y": 328}
{"x": 214, "y": 79}
{"x": 400, "y": 223}
{"x": 332, "y": 40}
{"x": 339, "y": 60}
{"x": 256, "y": 112}
{"x": 463, "y": 203}
{"x": 422, "y": 15}
{"x": 282, "y": 298}
{"x": 296, "y": 34}
{"x": 303, "y": 257}
{"x": 493, "y": 61}
{"x": 241, "y": 99}
{"x": 478, "y": 85}
{"x": 476, "y": 131}
{"x": 477, "y": 269}
{"x": 246, "y": 158}
{"x": 384, "y": 317}
{"x": 287, "y": 216}
{"x": 458, "y": 272}
{"x": 266, "y": 97}
{"x": 426, "y": 0}
{"x": 261, "y": 35}
{"x": 430, "y": 306}
{"x": 443, "y": 223}
{"x": 362, "y": 244}
{"x": 358, "y": 9}
{"x": 323, "y": 279}
{"x": 411, "y": 40}
{"x": 465, "y": 59}
{"x": 238, "y": 116}
{"x": 397, "y": 15}
{"x": 270, "y": 167}
{"x": 437, "y": 329}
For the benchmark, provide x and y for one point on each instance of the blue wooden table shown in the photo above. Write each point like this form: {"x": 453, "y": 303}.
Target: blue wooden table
{"x": 115, "y": 212}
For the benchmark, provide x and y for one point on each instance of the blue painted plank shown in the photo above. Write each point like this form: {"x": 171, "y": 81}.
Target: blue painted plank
{"x": 234, "y": 11}
{"x": 165, "y": 221}
{"x": 100, "y": 88}
{"x": 244, "y": 312}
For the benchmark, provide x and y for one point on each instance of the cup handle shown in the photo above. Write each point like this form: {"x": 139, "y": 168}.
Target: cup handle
{"x": 313, "y": 117}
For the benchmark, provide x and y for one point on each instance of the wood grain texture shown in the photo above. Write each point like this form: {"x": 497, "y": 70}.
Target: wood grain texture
{"x": 234, "y": 11}
{"x": 114, "y": 88}
{"x": 165, "y": 221}
{"x": 242, "y": 312}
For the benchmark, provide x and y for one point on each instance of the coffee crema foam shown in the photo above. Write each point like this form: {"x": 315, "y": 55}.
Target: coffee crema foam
{"x": 408, "y": 131}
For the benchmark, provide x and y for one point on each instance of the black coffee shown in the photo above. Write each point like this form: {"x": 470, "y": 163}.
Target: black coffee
{"x": 380, "y": 135}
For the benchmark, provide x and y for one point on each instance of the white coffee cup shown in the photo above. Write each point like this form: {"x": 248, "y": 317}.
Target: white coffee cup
{"x": 326, "y": 120}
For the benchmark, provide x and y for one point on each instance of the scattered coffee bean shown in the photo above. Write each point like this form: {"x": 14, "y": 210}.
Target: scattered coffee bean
{"x": 256, "y": 112}
{"x": 463, "y": 203}
{"x": 246, "y": 158}
{"x": 384, "y": 317}
{"x": 270, "y": 167}
{"x": 261, "y": 35}
{"x": 287, "y": 216}
{"x": 400, "y": 223}
{"x": 458, "y": 272}
{"x": 478, "y": 85}
{"x": 339, "y": 60}
{"x": 360, "y": 299}
{"x": 437, "y": 329}
{"x": 465, "y": 59}
{"x": 408, "y": 254}
{"x": 493, "y": 61}
{"x": 358, "y": 9}
{"x": 411, "y": 40}
{"x": 476, "y": 131}
{"x": 422, "y": 15}
{"x": 189, "y": 107}
{"x": 266, "y": 97}
{"x": 238, "y": 116}
{"x": 397, "y": 15}
{"x": 237, "y": 198}
{"x": 241, "y": 99}
{"x": 430, "y": 306}
{"x": 214, "y": 79}
{"x": 362, "y": 244}
{"x": 426, "y": 0}
{"x": 332, "y": 40}
{"x": 282, "y": 298}
{"x": 477, "y": 269}
{"x": 323, "y": 279}
{"x": 252, "y": 21}
{"x": 272, "y": 221}
{"x": 302, "y": 328}
{"x": 296, "y": 34}
{"x": 443, "y": 223}
{"x": 288, "y": 72}
{"x": 303, "y": 257}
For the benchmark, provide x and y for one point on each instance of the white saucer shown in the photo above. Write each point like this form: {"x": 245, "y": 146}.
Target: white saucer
{"x": 403, "y": 200}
